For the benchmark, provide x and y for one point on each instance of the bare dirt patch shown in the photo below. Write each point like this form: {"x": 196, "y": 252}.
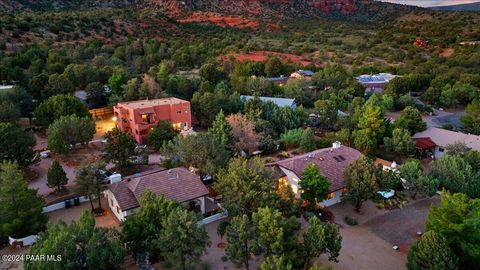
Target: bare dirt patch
{"x": 221, "y": 20}
{"x": 447, "y": 52}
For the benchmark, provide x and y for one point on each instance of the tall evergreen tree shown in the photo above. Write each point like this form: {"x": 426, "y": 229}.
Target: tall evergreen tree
{"x": 20, "y": 207}
{"x": 431, "y": 252}
{"x": 16, "y": 145}
{"x": 457, "y": 219}
{"x": 360, "y": 181}
{"x": 56, "y": 176}
{"x": 321, "y": 238}
{"x": 222, "y": 130}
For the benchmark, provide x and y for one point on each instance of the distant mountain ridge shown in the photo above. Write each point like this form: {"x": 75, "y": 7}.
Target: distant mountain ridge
{"x": 461, "y": 7}
{"x": 258, "y": 9}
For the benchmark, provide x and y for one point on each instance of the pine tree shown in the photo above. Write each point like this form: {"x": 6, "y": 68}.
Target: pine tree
{"x": 321, "y": 238}
{"x": 56, "y": 176}
{"x": 222, "y": 130}
{"x": 20, "y": 207}
{"x": 360, "y": 181}
{"x": 431, "y": 252}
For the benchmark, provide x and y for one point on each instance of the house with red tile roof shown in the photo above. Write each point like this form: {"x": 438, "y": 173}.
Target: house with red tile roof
{"x": 178, "y": 184}
{"x": 331, "y": 161}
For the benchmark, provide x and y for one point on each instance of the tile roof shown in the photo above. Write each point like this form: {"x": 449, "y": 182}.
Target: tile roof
{"x": 332, "y": 162}
{"x": 178, "y": 184}
{"x": 443, "y": 137}
{"x": 424, "y": 143}
{"x": 280, "y": 102}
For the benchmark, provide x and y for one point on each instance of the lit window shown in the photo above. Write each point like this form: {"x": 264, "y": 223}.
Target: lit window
{"x": 330, "y": 196}
{"x": 344, "y": 190}
{"x": 118, "y": 210}
{"x": 146, "y": 118}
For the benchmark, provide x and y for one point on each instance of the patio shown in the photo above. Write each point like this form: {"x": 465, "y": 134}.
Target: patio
{"x": 73, "y": 213}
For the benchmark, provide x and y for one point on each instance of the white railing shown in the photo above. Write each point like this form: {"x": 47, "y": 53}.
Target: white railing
{"x": 26, "y": 241}
{"x": 61, "y": 205}
{"x": 214, "y": 218}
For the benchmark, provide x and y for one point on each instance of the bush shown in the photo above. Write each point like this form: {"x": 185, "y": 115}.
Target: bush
{"x": 350, "y": 220}
{"x": 224, "y": 258}
{"x": 291, "y": 138}
{"x": 448, "y": 126}
{"x": 170, "y": 163}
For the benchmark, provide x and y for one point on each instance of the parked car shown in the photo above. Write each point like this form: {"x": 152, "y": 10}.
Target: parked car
{"x": 206, "y": 178}
{"x": 105, "y": 175}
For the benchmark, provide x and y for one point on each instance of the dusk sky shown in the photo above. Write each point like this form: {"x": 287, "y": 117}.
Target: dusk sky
{"x": 431, "y": 3}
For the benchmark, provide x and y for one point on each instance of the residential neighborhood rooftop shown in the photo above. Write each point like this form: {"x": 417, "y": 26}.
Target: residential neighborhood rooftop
{"x": 375, "y": 78}
{"x": 146, "y": 103}
{"x": 281, "y": 102}
{"x": 331, "y": 162}
{"x": 177, "y": 184}
{"x": 443, "y": 137}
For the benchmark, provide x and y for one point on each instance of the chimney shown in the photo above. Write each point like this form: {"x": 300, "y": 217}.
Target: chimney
{"x": 336, "y": 145}
{"x": 394, "y": 165}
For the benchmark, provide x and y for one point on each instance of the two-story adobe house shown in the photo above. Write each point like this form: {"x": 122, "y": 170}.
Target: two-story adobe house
{"x": 331, "y": 162}
{"x": 139, "y": 117}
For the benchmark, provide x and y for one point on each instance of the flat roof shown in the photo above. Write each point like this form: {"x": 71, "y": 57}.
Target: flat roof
{"x": 280, "y": 102}
{"x": 375, "y": 78}
{"x": 146, "y": 103}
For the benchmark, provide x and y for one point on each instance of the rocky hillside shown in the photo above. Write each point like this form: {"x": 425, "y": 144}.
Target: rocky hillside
{"x": 259, "y": 9}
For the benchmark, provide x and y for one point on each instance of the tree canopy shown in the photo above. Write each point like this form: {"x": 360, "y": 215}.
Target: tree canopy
{"x": 457, "y": 219}
{"x": 21, "y": 208}
{"x": 57, "y": 106}
{"x": 16, "y": 145}
{"x": 80, "y": 245}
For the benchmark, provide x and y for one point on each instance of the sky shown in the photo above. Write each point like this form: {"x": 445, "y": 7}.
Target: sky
{"x": 431, "y": 3}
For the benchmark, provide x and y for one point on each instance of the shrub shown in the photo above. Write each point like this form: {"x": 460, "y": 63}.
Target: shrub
{"x": 448, "y": 126}
{"x": 350, "y": 220}
{"x": 291, "y": 138}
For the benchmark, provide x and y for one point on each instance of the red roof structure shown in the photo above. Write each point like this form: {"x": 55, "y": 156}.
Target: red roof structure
{"x": 331, "y": 161}
{"x": 177, "y": 184}
{"x": 424, "y": 143}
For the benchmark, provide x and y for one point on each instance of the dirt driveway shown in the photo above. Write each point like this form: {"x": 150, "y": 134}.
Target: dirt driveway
{"x": 369, "y": 245}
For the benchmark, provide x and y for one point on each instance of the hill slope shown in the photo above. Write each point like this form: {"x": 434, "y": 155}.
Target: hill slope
{"x": 260, "y": 9}
{"x": 462, "y": 7}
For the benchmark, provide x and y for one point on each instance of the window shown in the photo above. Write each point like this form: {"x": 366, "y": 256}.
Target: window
{"x": 440, "y": 149}
{"x": 179, "y": 112}
{"x": 118, "y": 210}
{"x": 111, "y": 202}
{"x": 146, "y": 118}
{"x": 330, "y": 196}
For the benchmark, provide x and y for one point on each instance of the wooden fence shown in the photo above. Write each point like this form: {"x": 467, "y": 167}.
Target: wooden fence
{"x": 101, "y": 112}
